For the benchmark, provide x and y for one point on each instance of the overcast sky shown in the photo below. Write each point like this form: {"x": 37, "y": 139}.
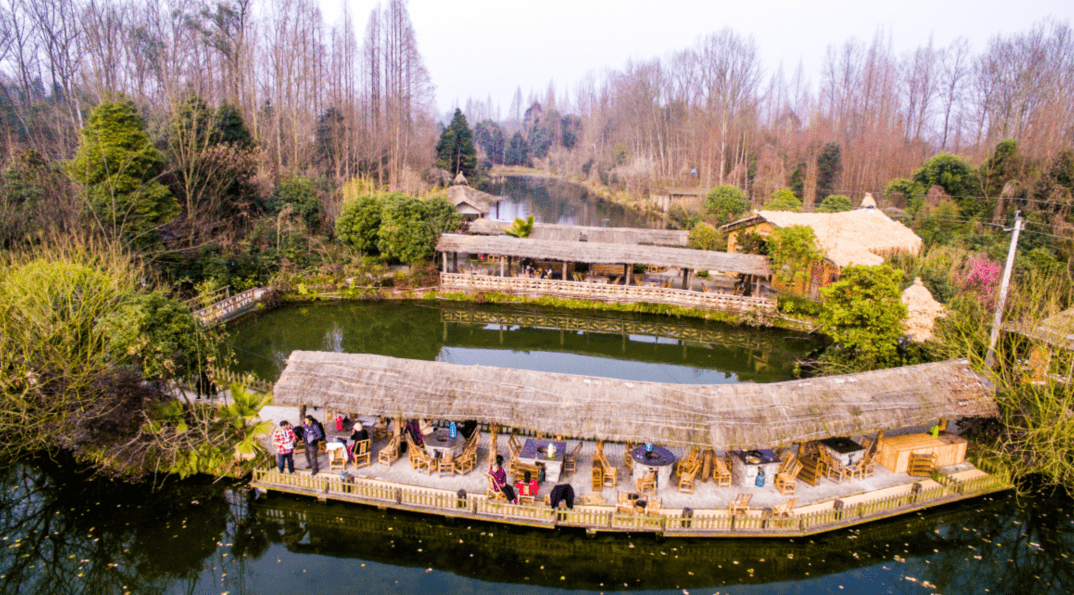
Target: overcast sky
{"x": 482, "y": 48}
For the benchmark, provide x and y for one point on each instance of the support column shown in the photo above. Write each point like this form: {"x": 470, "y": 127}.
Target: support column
{"x": 685, "y": 275}
{"x": 564, "y": 270}
{"x": 455, "y": 262}
{"x": 445, "y": 262}
{"x": 629, "y": 273}
{"x": 503, "y": 259}
{"x": 492, "y": 443}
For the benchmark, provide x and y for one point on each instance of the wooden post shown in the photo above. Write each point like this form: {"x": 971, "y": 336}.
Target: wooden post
{"x": 445, "y": 262}
{"x": 503, "y": 259}
{"x": 455, "y": 262}
{"x": 492, "y": 443}
{"x": 629, "y": 272}
{"x": 685, "y": 278}
{"x": 990, "y": 357}
{"x": 564, "y": 270}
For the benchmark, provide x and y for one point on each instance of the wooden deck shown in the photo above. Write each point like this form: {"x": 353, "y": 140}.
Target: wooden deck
{"x": 704, "y": 513}
{"x": 607, "y": 293}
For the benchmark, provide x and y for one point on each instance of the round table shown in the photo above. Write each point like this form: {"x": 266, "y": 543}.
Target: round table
{"x": 440, "y": 441}
{"x": 660, "y": 460}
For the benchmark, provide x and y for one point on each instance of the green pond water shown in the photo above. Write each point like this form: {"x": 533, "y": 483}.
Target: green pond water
{"x": 630, "y": 347}
{"x": 552, "y": 200}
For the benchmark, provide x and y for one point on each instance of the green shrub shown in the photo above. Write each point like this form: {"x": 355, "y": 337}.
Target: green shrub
{"x": 783, "y": 200}
{"x": 705, "y": 237}
{"x": 726, "y": 203}
{"x": 836, "y": 203}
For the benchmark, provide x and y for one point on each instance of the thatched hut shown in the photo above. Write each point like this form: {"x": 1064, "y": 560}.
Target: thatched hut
{"x": 718, "y": 416}
{"x": 604, "y": 253}
{"x": 863, "y": 237}
{"x": 582, "y": 233}
{"x": 921, "y": 311}
{"x": 470, "y": 202}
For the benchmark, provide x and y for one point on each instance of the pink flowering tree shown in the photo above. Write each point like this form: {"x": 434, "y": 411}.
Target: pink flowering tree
{"x": 982, "y": 279}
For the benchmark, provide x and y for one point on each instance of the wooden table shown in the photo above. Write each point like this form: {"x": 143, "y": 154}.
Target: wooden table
{"x": 440, "y": 441}
{"x": 534, "y": 451}
{"x": 744, "y": 469}
{"x": 894, "y": 453}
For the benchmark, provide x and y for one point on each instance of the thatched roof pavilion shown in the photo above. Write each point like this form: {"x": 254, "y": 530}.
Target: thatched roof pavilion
{"x": 606, "y": 253}
{"x": 713, "y": 416}
{"x": 470, "y": 202}
{"x": 863, "y": 236}
{"x": 583, "y": 233}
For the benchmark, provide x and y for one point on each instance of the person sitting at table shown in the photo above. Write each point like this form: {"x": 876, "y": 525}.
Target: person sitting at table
{"x": 414, "y": 430}
{"x": 527, "y": 486}
{"x": 359, "y": 434}
{"x": 499, "y": 480}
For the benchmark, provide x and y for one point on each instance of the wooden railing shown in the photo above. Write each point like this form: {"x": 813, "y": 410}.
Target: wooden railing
{"x": 222, "y": 378}
{"x": 201, "y": 301}
{"x": 699, "y": 522}
{"x": 607, "y": 293}
{"x": 228, "y": 307}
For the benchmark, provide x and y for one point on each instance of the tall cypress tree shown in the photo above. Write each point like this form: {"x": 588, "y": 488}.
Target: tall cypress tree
{"x": 455, "y": 150}
{"x": 829, "y": 168}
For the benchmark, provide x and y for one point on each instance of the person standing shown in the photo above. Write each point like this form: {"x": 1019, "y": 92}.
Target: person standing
{"x": 283, "y": 438}
{"x": 312, "y": 436}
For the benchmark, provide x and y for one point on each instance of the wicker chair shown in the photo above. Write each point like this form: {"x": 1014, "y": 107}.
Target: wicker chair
{"x": 494, "y": 494}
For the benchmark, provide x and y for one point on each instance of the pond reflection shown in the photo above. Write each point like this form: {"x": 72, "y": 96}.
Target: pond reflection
{"x": 72, "y": 533}
{"x": 552, "y": 200}
{"x": 625, "y": 346}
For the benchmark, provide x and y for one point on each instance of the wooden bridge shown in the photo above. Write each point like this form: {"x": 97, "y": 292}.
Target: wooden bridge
{"x": 608, "y": 293}
{"x": 230, "y": 307}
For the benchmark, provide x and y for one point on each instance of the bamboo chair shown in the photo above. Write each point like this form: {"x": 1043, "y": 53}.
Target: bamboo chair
{"x": 492, "y": 493}
{"x": 514, "y": 445}
{"x": 741, "y": 503}
{"x": 835, "y": 472}
{"x": 785, "y": 481}
{"x": 628, "y": 458}
{"x": 445, "y": 465}
{"x": 646, "y": 484}
{"x": 390, "y": 452}
{"x": 465, "y": 463}
{"x": 921, "y": 465}
{"x": 721, "y": 474}
{"x": 524, "y": 497}
{"x": 611, "y": 474}
{"x": 686, "y": 478}
{"x": 362, "y": 456}
{"x": 624, "y": 503}
{"x": 337, "y": 459}
{"x": 654, "y": 506}
{"x": 639, "y": 281}
{"x": 784, "y": 508}
{"x": 867, "y": 467}
{"x": 380, "y": 429}
{"x": 867, "y": 446}
{"x": 570, "y": 459}
{"x": 686, "y": 461}
{"x": 419, "y": 459}
{"x": 598, "y": 476}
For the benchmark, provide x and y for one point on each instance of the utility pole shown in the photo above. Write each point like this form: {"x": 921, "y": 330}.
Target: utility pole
{"x": 990, "y": 358}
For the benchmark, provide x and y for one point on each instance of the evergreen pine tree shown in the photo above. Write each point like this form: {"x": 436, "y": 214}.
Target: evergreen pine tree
{"x": 119, "y": 168}
{"x": 455, "y": 150}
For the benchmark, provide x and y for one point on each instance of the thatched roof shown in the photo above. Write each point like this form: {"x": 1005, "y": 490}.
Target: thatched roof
{"x": 921, "y": 311}
{"x": 717, "y": 416}
{"x": 459, "y": 179}
{"x": 575, "y": 233}
{"x": 863, "y": 236}
{"x": 605, "y": 253}
{"x": 464, "y": 195}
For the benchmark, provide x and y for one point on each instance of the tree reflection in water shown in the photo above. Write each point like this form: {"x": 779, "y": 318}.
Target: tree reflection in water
{"x": 71, "y": 533}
